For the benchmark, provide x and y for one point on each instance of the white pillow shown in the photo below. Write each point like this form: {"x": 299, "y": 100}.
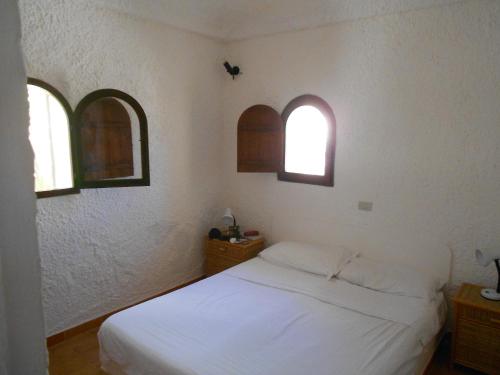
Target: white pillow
{"x": 321, "y": 260}
{"x": 390, "y": 278}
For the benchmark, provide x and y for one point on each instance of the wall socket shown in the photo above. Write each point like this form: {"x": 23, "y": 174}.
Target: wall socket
{"x": 365, "y": 206}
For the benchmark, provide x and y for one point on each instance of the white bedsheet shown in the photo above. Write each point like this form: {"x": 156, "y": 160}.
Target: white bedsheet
{"x": 259, "y": 318}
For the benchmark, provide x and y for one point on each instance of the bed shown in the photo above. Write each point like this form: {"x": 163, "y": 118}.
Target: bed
{"x": 262, "y": 318}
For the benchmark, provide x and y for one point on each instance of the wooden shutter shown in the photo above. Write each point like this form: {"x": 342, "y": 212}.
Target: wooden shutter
{"x": 106, "y": 140}
{"x": 260, "y": 140}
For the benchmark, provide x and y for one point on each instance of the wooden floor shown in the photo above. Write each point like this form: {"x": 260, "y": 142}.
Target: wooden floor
{"x": 79, "y": 355}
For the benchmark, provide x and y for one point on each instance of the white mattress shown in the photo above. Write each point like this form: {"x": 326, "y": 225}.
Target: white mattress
{"x": 259, "y": 318}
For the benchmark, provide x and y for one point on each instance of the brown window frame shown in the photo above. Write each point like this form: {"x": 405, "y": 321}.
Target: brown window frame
{"x": 328, "y": 178}
{"x": 69, "y": 113}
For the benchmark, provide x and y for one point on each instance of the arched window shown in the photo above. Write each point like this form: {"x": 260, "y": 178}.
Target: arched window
{"x": 51, "y": 139}
{"x": 112, "y": 140}
{"x": 103, "y": 143}
{"x": 309, "y": 149}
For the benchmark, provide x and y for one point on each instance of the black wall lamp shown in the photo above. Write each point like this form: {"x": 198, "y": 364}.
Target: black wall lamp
{"x": 232, "y": 70}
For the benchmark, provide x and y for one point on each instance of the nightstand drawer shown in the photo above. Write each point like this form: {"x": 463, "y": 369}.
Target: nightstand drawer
{"x": 478, "y": 346}
{"x": 471, "y": 333}
{"x": 216, "y": 264}
{"x": 489, "y": 318}
{"x": 474, "y": 357}
{"x": 476, "y": 337}
{"x": 221, "y": 255}
{"x": 223, "y": 248}
{"x": 239, "y": 252}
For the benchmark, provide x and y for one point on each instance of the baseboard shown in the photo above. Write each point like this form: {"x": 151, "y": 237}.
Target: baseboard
{"x": 71, "y": 332}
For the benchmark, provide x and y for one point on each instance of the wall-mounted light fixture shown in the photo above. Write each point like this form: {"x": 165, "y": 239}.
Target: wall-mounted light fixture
{"x": 232, "y": 70}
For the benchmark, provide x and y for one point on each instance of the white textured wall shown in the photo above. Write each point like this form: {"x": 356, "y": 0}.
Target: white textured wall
{"x": 22, "y": 341}
{"x": 416, "y": 98}
{"x": 416, "y": 101}
{"x": 4, "y": 341}
{"x": 104, "y": 249}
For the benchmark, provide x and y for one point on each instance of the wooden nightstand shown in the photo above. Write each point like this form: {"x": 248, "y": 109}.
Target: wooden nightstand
{"x": 476, "y": 338}
{"x": 221, "y": 255}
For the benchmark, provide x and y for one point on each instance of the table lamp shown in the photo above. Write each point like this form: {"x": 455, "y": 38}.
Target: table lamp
{"x": 230, "y": 221}
{"x": 228, "y": 218}
{"x": 484, "y": 258}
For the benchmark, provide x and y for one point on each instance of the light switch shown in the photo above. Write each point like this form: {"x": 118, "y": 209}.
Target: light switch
{"x": 365, "y": 206}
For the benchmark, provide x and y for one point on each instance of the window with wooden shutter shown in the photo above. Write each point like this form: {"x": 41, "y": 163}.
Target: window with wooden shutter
{"x": 260, "y": 140}
{"x": 112, "y": 140}
{"x": 106, "y": 137}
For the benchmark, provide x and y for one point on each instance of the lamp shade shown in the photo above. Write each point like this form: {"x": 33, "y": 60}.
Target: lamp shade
{"x": 228, "y": 217}
{"x": 485, "y": 257}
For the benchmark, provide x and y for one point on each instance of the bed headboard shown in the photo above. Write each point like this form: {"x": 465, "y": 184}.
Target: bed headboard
{"x": 424, "y": 252}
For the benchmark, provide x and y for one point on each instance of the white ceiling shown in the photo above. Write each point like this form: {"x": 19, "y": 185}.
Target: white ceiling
{"x": 240, "y": 19}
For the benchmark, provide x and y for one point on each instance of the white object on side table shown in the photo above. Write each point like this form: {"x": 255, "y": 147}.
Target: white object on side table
{"x": 484, "y": 258}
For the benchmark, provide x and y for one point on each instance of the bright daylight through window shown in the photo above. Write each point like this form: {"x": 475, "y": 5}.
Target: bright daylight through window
{"x": 306, "y": 139}
{"x": 50, "y": 138}
{"x": 309, "y": 142}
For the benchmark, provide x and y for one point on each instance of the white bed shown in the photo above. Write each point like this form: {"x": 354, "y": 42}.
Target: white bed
{"x": 260, "y": 318}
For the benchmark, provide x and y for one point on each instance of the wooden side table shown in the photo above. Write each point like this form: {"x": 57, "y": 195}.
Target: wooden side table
{"x": 476, "y": 338}
{"x": 220, "y": 255}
